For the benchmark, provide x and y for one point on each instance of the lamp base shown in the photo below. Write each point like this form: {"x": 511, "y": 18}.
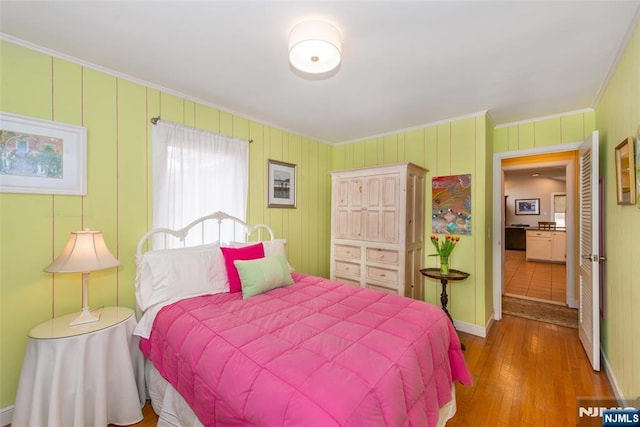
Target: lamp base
{"x": 85, "y": 316}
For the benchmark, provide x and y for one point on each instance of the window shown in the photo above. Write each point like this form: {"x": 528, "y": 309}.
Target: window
{"x": 559, "y": 208}
{"x": 196, "y": 173}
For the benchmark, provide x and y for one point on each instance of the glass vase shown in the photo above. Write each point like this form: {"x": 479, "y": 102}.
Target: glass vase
{"x": 444, "y": 265}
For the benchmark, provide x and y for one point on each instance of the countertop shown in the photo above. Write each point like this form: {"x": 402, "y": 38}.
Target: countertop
{"x": 525, "y": 227}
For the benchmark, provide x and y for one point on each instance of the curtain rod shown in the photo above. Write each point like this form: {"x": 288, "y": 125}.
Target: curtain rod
{"x": 155, "y": 120}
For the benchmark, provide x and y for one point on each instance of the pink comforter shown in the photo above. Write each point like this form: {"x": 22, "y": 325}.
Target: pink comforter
{"x": 313, "y": 353}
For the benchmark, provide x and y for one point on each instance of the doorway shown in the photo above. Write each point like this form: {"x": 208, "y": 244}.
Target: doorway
{"x": 538, "y": 275}
{"x": 552, "y": 156}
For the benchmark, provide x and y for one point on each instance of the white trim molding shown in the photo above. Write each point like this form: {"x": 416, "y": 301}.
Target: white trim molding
{"x": 6, "y": 415}
{"x": 537, "y": 119}
{"x": 498, "y": 228}
{"x": 470, "y": 328}
{"x": 613, "y": 381}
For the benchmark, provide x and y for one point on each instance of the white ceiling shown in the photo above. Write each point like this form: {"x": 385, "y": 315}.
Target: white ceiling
{"x": 526, "y": 172}
{"x": 405, "y": 64}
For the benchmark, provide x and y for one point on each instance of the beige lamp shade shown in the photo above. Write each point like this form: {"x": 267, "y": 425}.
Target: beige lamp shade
{"x": 315, "y": 47}
{"x": 85, "y": 251}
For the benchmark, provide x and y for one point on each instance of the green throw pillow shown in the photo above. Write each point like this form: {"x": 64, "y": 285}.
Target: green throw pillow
{"x": 263, "y": 274}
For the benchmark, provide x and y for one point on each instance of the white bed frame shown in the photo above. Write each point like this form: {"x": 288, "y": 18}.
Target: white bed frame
{"x": 207, "y": 234}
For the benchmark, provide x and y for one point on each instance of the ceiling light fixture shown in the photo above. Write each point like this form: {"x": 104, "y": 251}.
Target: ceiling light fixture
{"x": 315, "y": 47}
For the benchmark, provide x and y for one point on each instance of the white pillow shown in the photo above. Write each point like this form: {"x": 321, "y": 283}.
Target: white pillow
{"x": 169, "y": 275}
{"x": 271, "y": 247}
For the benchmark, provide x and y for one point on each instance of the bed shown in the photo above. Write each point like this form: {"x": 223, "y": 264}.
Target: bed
{"x": 233, "y": 336}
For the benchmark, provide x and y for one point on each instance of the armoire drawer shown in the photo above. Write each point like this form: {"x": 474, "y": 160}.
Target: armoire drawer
{"x": 347, "y": 251}
{"x": 348, "y": 269}
{"x": 382, "y": 274}
{"x": 382, "y": 288}
{"x": 347, "y": 280}
{"x": 388, "y": 256}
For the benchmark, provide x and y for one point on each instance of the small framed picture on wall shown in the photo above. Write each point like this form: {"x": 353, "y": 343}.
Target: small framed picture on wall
{"x": 42, "y": 157}
{"x": 527, "y": 206}
{"x": 281, "y": 184}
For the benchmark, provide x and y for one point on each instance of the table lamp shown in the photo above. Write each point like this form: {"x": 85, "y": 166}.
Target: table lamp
{"x": 84, "y": 252}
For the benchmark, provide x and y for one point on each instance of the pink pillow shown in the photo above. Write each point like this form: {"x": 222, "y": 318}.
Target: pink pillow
{"x": 244, "y": 253}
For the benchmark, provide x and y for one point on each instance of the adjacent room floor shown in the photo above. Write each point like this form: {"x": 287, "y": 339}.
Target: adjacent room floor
{"x": 541, "y": 281}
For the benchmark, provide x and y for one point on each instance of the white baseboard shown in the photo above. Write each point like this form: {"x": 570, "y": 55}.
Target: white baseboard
{"x": 6, "y": 414}
{"x": 612, "y": 378}
{"x": 470, "y": 328}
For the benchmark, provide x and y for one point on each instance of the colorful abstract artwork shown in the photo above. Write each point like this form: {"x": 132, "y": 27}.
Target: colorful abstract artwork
{"x": 451, "y": 204}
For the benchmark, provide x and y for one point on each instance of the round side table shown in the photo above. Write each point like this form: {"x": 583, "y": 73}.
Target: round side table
{"x": 85, "y": 375}
{"x": 434, "y": 273}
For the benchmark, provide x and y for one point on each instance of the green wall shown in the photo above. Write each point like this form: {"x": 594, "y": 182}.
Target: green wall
{"x": 571, "y": 127}
{"x": 618, "y": 117}
{"x": 116, "y": 113}
{"x": 460, "y": 146}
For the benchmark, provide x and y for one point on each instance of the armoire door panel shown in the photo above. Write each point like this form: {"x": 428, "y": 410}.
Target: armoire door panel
{"x": 414, "y": 285}
{"x": 373, "y": 192}
{"x": 356, "y": 193}
{"x": 372, "y": 225}
{"x": 341, "y": 225}
{"x": 411, "y": 222}
{"x": 418, "y": 208}
{"x": 390, "y": 189}
{"x": 342, "y": 193}
{"x": 389, "y": 226}
{"x": 356, "y": 222}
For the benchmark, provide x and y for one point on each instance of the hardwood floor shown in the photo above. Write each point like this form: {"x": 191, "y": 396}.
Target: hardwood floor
{"x": 526, "y": 373}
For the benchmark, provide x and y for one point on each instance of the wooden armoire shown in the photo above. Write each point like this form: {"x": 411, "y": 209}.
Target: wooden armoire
{"x": 377, "y": 228}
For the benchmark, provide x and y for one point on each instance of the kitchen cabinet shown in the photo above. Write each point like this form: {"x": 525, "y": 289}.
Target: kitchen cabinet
{"x": 515, "y": 238}
{"x": 549, "y": 246}
{"x": 559, "y": 247}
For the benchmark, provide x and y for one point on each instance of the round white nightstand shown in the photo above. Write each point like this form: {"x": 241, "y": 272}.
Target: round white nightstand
{"x": 85, "y": 375}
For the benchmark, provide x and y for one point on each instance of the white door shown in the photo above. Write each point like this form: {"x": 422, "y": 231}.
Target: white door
{"x": 589, "y": 259}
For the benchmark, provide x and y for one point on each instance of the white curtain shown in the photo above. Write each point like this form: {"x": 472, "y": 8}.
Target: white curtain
{"x": 196, "y": 173}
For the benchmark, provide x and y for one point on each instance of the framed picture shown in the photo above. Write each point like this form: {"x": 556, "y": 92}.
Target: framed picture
{"x": 451, "y": 204}
{"x": 527, "y": 206}
{"x": 281, "y": 184}
{"x": 43, "y": 157}
{"x": 625, "y": 172}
